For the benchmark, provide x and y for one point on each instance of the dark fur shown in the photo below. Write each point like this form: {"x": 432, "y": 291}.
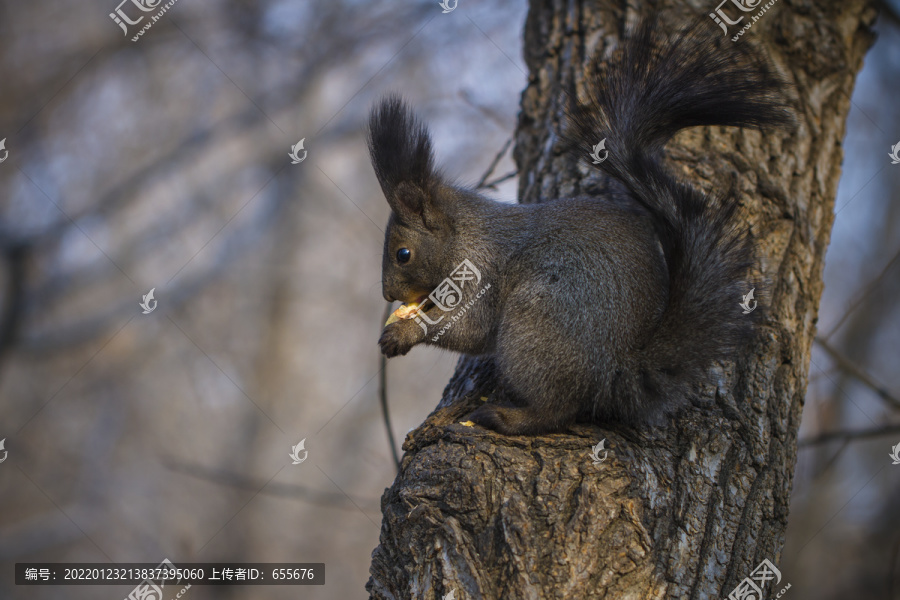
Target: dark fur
{"x": 608, "y": 309}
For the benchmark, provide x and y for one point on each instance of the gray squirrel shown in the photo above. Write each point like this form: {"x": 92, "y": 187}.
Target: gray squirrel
{"x": 610, "y": 308}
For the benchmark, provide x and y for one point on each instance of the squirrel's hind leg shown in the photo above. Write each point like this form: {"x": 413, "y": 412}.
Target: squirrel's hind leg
{"x": 519, "y": 420}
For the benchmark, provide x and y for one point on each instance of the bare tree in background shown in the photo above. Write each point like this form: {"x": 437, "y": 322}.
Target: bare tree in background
{"x": 687, "y": 511}
{"x": 163, "y": 163}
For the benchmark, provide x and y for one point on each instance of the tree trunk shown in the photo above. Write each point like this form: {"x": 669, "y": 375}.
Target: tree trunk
{"x": 685, "y": 511}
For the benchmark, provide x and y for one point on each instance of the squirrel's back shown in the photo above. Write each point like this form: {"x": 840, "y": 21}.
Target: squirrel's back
{"x": 652, "y": 87}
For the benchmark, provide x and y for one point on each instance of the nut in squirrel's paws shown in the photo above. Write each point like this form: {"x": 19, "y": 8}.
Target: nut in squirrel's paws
{"x": 406, "y": 311}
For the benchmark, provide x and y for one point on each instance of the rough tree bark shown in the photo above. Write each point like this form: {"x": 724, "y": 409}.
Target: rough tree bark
{"x": 685, "y": 511}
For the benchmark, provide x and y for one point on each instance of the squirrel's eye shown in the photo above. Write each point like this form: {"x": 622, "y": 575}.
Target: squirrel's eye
{"x": 403, "y": 255}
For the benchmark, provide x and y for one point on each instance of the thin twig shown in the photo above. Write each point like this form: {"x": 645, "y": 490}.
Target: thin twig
{"x": 235, "y": 480}
{"x": 819, "y": 375}
{"x": 382, "y": 393}
{"x": 487, "y": 112}
{"x": 833, "y": 458}
{"x": 893, "y": 570}
{"x": 858, "y": 373}
{"x": 865, "y": 294}
{"x": 16, "y": 255}
{"x": 490, "y": 170}
{"x": 888, "y": 11}
{"x": 858, "y": 434}
{"x": 493, "y": 184}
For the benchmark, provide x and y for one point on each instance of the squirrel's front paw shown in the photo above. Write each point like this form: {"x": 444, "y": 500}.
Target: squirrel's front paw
{"x": 396, "y": 341}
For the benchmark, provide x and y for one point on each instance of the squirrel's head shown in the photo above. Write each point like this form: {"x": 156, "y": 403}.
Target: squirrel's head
{"x": 419, "y": 240}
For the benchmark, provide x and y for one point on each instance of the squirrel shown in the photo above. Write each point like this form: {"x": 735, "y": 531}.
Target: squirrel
{"x": 610, "y": 308}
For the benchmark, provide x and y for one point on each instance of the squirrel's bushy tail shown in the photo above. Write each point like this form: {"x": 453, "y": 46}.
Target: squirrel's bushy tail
{"x": 653, "y": 86}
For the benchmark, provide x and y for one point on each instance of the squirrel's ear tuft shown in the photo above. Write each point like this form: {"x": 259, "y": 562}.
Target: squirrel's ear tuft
{"x": 400, "y": 148}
